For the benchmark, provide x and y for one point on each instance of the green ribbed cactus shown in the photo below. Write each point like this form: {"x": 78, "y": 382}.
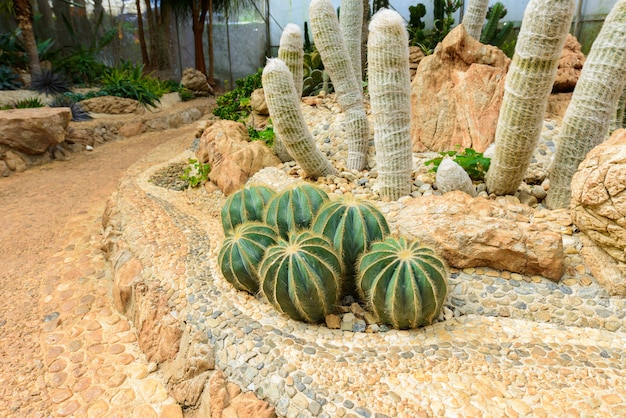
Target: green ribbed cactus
{"x": 242, "y": 252}
{"x": 294, "y": 208}
{"x": 351, "y": 225}
{"x": 291, "y": 52}
{"x": 284, "y": 106}
{"x": 351, "y": 24}
{"x": 337, "y": 62}
{"x": 246, "y": 204}
{"x": 301, "y": 277}
{"x": 390, "y": 97}
{"x": 402, "y": 282}
{"x": 528, "y": 84}
{"x": 595, "y": 98}
{"x": 474, "y": 17}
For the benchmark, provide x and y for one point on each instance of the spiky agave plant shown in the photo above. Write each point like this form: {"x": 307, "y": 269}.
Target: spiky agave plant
{"x": 301, "y": 276}
{"x": 351, "y": 225}
{"x": 241, "y": 253}
{"x": 294, "y": 208}
{"x": 246, "y": 204}
{"x": 402, "y": 282}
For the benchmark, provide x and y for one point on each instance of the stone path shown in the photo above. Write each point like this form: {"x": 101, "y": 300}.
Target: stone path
{"x": 64, "y": 350}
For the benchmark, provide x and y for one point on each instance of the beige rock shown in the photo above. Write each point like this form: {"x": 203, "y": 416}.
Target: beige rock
{"x": 416, "y": 55}
{"x": 197, "y": 82}
{"x": 456, "y": 94}
{"x": 599, "y": 195}
{"x": 472, "y": 232}
{"x": 557, "y": 105}
{"x": 610, "y": 273}
{"x": 33, "y": 131}
{"x": 15, "y": 162}
{"x": 112, "y": 105}
{"x": 225, "y": 145}
{"x": 247, "y": 405}
{"x": 228, "y": 401}
{"x": 4, "y": 169}
{"x": 257, "y": 102}
{"x": 570, "y": 66}
{"x": 131, "y": 129}
{"x": 123, "y": 279}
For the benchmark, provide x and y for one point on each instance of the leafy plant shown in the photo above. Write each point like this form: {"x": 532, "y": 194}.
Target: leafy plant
{"x": 195, "y": 173}
{"x": 8, "y": 79}
{"x": 185, "y": 95}
{"x": 127, "y": 80}
{"x": 49, "y": 82}
{"x": 266, "y": 135}
{"x": 474, "y": 163}
{"x": 29, "y": 103}
{"x": 233, "y": 105}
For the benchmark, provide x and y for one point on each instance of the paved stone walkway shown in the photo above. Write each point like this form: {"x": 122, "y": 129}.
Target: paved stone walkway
{"x": 64, "y": 350}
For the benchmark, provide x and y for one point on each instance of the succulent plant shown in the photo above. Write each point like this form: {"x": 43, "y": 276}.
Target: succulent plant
{"x": 294, "y": 208}
{"x": 301, "y": 277}
{"x": 8, "y": 79}
{"x": 402, "y": 282}
{"x": 50, "y": 82}
{"x": 241, "y": 253}
{"x": 78, "y": 113}
{"x": 246, "y": 204}
{"x": 351, "y": 225}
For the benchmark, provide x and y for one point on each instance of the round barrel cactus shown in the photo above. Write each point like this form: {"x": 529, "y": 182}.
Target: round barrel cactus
{"x": 246, "y": 204}
{"x": 351, "y": 225}
{"x": 301, "y": 277}
{"x": 294, "y": 208}
{"x": 402, "y": 282}
{"x": 241, "y": 253}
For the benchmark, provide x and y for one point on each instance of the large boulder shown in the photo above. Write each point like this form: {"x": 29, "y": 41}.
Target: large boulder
{"x": 34, "y": 131}
{"x": 599, "y": 195}
{"x": 196, "y": 82}
{"x": 112, "y": 105}
{"x": 456, "y": 94}
{"x": 472, "y": 232}
{"x": 570, "y": 66}
{"x": 226, "y": 146}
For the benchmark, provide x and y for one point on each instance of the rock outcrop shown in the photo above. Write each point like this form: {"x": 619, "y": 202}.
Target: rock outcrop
{"x": 456, "y": 94}
{"x": 226, "y": 146}
{"x": 472, "y": 232}
{"x": 599, "y": 196}
{"x": 34, "y": 131}
{"x": 196, "y": 82}
{"x": 112, "y": 105}
{"x": 570, "y": 66}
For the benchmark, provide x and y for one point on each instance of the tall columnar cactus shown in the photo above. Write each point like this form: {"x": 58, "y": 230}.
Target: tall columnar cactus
{"x": 474, "y": 17}
{"x": 242, "y": 252}
{"x": 284, "y": 107}
{"x": 351, "y": 225}
{"x": 246, "y": 204}
{"x": 402, "y": 282}
{"x": 291, "y": 52}
{"x": 331, "y": 46}
{"x": 351, "y": 24}
{"x": 390, "y": 97}
{"x": 294, "y": 208}
{"x": 586, "y": 121}
{"x": 528, "y": 85}
{"x": 302, "y": 277}
{"x": 619, "y": 117}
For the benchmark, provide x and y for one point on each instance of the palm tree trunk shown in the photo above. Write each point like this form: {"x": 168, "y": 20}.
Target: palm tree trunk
{"x": 211, "y": 75}
{"x": 197, "y": 25}
{"x": 142, "y": 37}
{"x": 24, "y": 18}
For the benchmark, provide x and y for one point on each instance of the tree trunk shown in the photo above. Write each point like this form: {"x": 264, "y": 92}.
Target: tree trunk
{"x": 592, "y": 106}
{"x": 474, "y": 18}
{"x": 24, "y": 18}
{"x": 142, "y": 37}
{"x": 528, "y": 84}
{"x": 211, "y": 75}
{"x": 45, "y": 29}
{"x": 197, "y": 26}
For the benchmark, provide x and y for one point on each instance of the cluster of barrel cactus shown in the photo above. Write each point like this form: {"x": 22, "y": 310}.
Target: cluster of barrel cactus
{"x": 304, "y": 251}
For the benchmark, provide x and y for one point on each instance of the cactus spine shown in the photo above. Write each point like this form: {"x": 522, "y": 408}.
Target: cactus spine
{"x": 301, "y": 277}
{"x": 528, "y": 84}
{"x": 351, "y": 225}
{"x": 294, "y": 208}
{"x": 390, "y": 91}
{"x": 586, "y": 121}
{"x": 284, "y": 107}
{"x": 403, "y": 283}
{"x": 351, "y": 24}
{"x": 242, "y": 252}
{"x": 474, "y": 17}
{"x": 246, "y": 204}
{"x": 331, "y": 46}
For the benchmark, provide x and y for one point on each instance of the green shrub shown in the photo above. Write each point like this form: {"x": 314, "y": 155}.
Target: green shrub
{"x": 235, "y": 104}
{"x": 127, "y": 80}
{"x": 474, "y": 163}
{"x": 29, "y": 103}
{"x": 9, "y": 80}
{"x": 402, "y": 282}
{"x": 195, "y": 173}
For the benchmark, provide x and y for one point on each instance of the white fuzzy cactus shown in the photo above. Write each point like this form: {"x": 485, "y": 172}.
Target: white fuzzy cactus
{"x": 284, "y": 107}
{"x": 595, "y": 98}
{"x": 291, "y": 52}
{"x": 451, "y": 176}
{"x": 528, "y": 84}
{"x": 330, "y": 44}
{"x": 390, "y": 97}
{"x": 474, "y": 17}
{"x": 351, "y": 24}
